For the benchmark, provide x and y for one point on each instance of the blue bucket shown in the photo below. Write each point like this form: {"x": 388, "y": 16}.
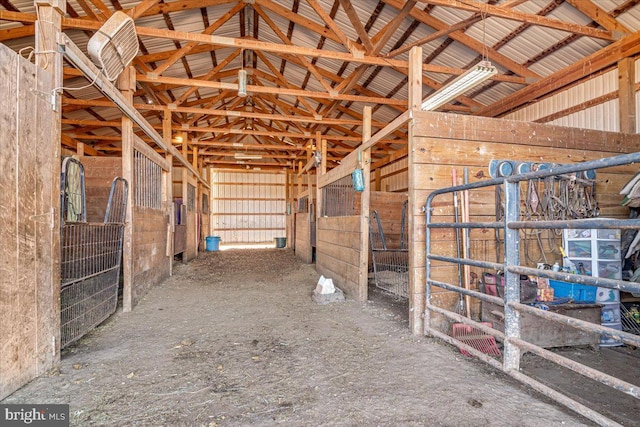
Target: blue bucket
{"x": 213, "y": 243}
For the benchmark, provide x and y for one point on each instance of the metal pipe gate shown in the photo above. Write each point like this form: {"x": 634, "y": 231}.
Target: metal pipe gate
{"x": 514, "y": 345}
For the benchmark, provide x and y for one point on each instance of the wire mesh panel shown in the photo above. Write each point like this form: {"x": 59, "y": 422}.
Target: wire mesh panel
{"x": 90, "y": 255}
{"x": 116, "y": 206}
{"x": 390, "y": 266}
{"x": 191, "y": 198}
{"x": 340, "y": 199}
{"x": 90, "y": 270}
{"x": 147, "y": 182}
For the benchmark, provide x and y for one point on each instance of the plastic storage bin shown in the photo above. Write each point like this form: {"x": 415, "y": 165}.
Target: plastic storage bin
{"x": 575, "y": 291}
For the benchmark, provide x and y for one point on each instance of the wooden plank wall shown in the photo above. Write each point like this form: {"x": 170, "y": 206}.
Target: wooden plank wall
{"x": 98, "y": 175}
{"x": 304, "y": 251}
{"x": 150, "y": 263}
{"x": 29, "y": 271}
{"x": 291, "y": 231}
{"x": 338, "y": 253}
{"x": 192, "y": 226}
{"x": 389, "y": 208}
{"x": 445, "y": 141}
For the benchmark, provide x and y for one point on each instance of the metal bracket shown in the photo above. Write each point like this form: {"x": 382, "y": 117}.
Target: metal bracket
{"x": 45, "y": 218}
{"x": 51, "y": 97}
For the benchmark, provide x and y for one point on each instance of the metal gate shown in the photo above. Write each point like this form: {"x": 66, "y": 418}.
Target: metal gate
{"x": 90, "y": 257}
{"x": 514, "y": 344}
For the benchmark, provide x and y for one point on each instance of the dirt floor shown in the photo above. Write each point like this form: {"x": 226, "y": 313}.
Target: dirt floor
{"x": 234, "y": 339}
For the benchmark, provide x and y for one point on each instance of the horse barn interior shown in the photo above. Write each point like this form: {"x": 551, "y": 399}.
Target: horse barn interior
{"x": 464, "y": 171}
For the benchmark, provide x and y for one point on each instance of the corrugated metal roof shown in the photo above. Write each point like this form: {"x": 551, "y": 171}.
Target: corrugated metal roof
{"x": 535, "y": 41}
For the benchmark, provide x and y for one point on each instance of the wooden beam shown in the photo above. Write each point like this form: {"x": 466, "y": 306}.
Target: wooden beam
{"x": 255, "y": 89}
{"x": 127, "y": 84}
{"x": 346, "y": 41}
{"x": 627, "y": 94}
{"x": 383, "y": 36}
{"x": 365, "y": 197}
{"x": 357, "y": 24}
{"x": 141, "y": 8}
{"x": 418, "y": 316}
{"x": 516, "y": 15}
{"x": 599, "y": 15}
{"x": 470, "y": 42}
{"x": 180, "y": 53}
{"x": 605, "y": 57}
{"x": 308, "y": 65}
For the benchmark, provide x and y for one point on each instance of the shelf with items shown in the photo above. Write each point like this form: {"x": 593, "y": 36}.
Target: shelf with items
{"x": 597, "y": 253}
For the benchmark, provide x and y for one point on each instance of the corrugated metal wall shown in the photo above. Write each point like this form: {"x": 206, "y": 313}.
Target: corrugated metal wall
{"x": 247, "y": 207}
{"x": 604, "y": 116}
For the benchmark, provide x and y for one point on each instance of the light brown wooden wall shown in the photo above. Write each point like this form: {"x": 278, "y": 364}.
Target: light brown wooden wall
{"x": 304, "y": 251}
{"x": 442, "y": 141}
{"x": 29, "y": 224}
{"x": 338, "y": 253}
{"x": 98, "y": 175}
{"x": 389, "y": 208}
{"x": 150, "y": 263}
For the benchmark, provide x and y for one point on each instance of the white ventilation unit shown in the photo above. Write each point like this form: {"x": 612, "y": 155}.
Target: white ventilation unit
{"x": 115, "y": 45}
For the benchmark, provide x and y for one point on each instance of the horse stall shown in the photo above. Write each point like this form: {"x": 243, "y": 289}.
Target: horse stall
{"x": 305, "y": 218}
{"x": 151, "y": 232}
{"x": 90, "y": 254}
{"x": 507, "y": 223}
{"x": 388, "y": 239}
{"x": 186, "y": 214}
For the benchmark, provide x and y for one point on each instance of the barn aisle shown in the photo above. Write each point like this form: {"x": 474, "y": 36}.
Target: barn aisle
{"x": 234, "y": 339}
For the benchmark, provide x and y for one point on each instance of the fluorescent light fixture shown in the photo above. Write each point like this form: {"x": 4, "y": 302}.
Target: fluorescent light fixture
{"x": 178, "y": 139}
{"x": 242, "y": 83}
{"x": 247, "y": 156}
{"x": 469, "y": 79}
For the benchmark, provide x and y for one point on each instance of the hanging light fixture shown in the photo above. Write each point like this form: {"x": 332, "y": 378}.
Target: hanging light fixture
{"x": 242, "y": 83}
{"x": 247, "y": 156}
{"x": 469, "y": 79}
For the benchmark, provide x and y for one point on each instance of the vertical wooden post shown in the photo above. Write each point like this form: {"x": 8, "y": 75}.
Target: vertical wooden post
{"x": 416, "y": 248}
{"x": 197, "y": 205}
{"x": 319, "y": 173}
{"x": 379, "y": 179}
{"x": 127, "y": 84}
{"x": 287, "y": 222}
{"x": 48, "y": 26}
{"x": 363, "y": 281}
{"x": 168, "y": 186}
{"x": 185, "y": 190}
{"x": 627, "y": 95}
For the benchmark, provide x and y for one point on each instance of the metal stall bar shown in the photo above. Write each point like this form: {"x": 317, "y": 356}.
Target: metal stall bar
{"x": 512, "y": 225}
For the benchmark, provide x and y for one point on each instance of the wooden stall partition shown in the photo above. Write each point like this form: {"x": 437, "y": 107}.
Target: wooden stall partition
{"x": 389, "y": 209}
{"x": 205, "y": 216}
{"x": 303, "y": 223}
{"x": 191, "y": 251}
{"x": 150, "y": 220}
{"x": 29, "y": 223}
{"x": 441, "y": 142}
{"x": 98, "y": 176}
{"x": 338, "y": 239}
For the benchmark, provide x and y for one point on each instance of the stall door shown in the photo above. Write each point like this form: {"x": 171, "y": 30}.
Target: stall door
{"x": 29, "y": 180}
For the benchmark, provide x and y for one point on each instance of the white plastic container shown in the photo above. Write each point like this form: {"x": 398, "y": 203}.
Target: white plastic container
{"x": 610, "y": 313}
{"x": 607, "y": 295}
{"x": 608, "y": 341}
